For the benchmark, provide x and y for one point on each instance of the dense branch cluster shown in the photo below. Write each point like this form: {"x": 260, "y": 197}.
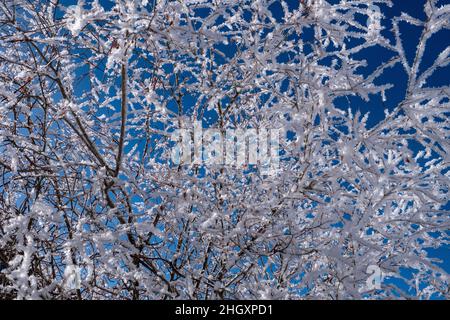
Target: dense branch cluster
{"x": 90, "y": 95}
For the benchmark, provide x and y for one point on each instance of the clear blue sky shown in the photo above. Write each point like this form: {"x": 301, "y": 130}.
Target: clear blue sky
{"x": 396, "y": 75}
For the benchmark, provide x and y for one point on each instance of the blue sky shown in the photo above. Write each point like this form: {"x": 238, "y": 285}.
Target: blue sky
{"x": 396, "y": 76}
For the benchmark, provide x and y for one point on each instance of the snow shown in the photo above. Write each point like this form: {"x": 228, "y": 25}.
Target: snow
{"x": 342, "y": 193}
